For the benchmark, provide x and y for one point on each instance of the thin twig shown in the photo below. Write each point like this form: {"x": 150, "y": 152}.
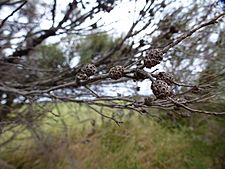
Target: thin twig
{"x": 53, "y": 12}
{"x": 12, "y": 13}
{"x": 94, "y": 93}
{"x": 105, "y": 116}
{"x": 195, "y": 110}
{"x": 184, "y": 36}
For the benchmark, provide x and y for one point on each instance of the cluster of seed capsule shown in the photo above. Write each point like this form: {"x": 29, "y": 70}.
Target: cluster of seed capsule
{"x": 161, "y": 85}
{"x": 88, "y": 70}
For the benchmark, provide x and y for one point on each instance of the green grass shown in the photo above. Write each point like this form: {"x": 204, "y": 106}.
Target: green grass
{"x": 69, "y": 139}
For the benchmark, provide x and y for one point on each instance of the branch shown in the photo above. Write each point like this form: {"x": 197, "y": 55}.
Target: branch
{"x": 73, "y": 83}
{"x": 105, "y": 116}
{"x": 195, "y": 110}
{"x": 184, "y": 36}
{"x": 72, "y": 6}
{"x": 12, "y": 13}
{"x": 47, "y": 33}
{"x": 127, "y": 36}
{"x": 8, "y": 3}
{"x": 53, "y": 12}
{"x": 92, "y": 92}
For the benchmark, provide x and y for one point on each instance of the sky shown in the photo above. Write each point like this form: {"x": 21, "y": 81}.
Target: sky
{"x": 119, "y": 18}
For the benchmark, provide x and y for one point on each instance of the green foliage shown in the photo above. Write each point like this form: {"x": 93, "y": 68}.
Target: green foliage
{"x": 49, "y": 56}
{"x": 135, "y": 166}
{"x": 114, "y": 139}
{"x": 139, "y": 143}
{"x": 93, "y": 45}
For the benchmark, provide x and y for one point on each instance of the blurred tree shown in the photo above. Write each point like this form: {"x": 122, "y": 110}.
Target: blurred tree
{"x": 93, "y": 45}
{"x": 50, "y": 57}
